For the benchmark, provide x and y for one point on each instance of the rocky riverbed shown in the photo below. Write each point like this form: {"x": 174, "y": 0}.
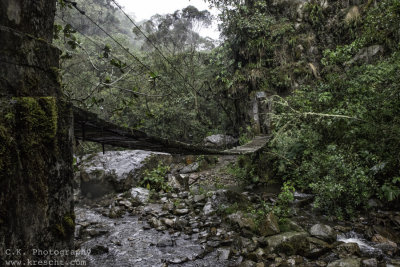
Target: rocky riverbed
{"x": 207, "y": 219}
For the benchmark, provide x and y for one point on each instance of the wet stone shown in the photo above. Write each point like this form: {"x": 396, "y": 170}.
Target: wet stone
{"x": 247, "y": 263}
{"x": 125, "y": 203}
{"x": 96, "y": 232}
{"x": 349, "y": 262}
{"x": 213, "y": 244}
{"x": 169, "y": 222}
{"x": 181, "y": 211}
{"x": 154, "y": 222}
{"x": 98, "y": 250}
{"x": 198, "y": 198}
{"x": 178, "y": 260}
{"x": 208, "y": 209}
{"x": 324, "y": 232}
{"x": 184, "y": 195}
{"x": 370, "y": 263}
{"x": 164, "y": 241}
{"x": 224, "y": 253}
{"x": 347, "y": 249}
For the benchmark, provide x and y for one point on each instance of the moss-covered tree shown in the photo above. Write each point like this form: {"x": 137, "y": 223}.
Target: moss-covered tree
{"x": 36, "y": 205}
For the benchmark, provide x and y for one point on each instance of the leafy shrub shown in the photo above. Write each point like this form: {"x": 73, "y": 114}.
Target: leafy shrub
{"x": 285, "y": 198}
{"x": 156, "y": 179}
{"x": 243, "y": 170}
{"x": 329, "y": 139}
{"x": 390, "y": 190}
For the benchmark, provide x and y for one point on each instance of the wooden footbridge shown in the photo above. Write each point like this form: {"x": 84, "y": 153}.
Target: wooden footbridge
{"x": 89, "y": 127}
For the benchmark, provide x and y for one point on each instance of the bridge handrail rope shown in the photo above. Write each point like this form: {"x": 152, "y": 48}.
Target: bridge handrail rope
{"x": 119, "y": 88}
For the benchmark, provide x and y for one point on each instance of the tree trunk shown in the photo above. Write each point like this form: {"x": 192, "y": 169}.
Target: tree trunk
{"x": 36, "y": 200}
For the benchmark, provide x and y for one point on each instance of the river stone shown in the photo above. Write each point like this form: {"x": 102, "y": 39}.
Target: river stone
{"x": 324, "y": 232}
{"x": 178, "y": 260}
{"x": 288, "y": 225}
{"x": 168, "y": 222}
{"x": 164, "y": 241}
{"x": 154, "y": 222}
{"x": 140, "y": 195}
{"x": 116, "y": 212}
{"x": 198, "y": 198}
{"x": 180, "y": 182}
{"x": 347, "y": 249}
{"x": 288, "y": 243}
{"x": 219, "y": 141}
{"x": 224, "y": 198}
{"x": 269, "y": 225}
{"x": 380, "y": 239}
{"x": 98, "y": 250}
{"x": 316, "y": 247}
{"x": 208, "y": 209}
{"x": 256, "y": 255}
{"x": 247, "y": 263}
{"x": 370, "y": 263}
{"x": 386, "y": 245}
{"x": 244, "y": 222}
{"x": 349, "y": 262}
{"x": 126, "y": 203}
{"x": 224, "y": 253}
{"x": 181, "y": 211}
{"x": 194, "y": 167}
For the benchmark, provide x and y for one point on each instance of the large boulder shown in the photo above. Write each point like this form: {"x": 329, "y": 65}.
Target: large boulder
{"x": 386, "y": 245}
{"x": 116, "y": 171}
{"x": 315, "y": 247}
{"x": 242, "y": 220}
{"x": 347, "y": 250}
{"x": 219, "y": 141}
{"x": 269, "y": 225}
{"x": 324, "y": 232}
{"x": 289, "y": 243}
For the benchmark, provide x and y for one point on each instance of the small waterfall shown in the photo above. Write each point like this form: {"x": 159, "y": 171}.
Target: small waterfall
{"x": 367, "y": 248}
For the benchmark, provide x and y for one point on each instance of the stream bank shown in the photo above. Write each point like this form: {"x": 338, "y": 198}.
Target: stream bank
{"x": 205, "y": 220}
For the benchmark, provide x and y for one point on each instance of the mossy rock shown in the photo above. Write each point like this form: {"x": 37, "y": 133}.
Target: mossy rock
{"x": 289, "y": 243}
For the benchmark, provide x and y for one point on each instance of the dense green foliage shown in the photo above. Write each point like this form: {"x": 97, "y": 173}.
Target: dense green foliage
{"x": 337, "y": 133}
{"x": 330, "y": 70}
{"x": 339, "y": 138}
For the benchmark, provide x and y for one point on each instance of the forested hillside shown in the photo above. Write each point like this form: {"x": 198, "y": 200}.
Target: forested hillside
{"x": 329, "y": 69}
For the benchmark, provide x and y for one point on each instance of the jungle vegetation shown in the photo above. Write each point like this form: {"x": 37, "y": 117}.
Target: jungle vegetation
{"x": 331, "y": 71}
